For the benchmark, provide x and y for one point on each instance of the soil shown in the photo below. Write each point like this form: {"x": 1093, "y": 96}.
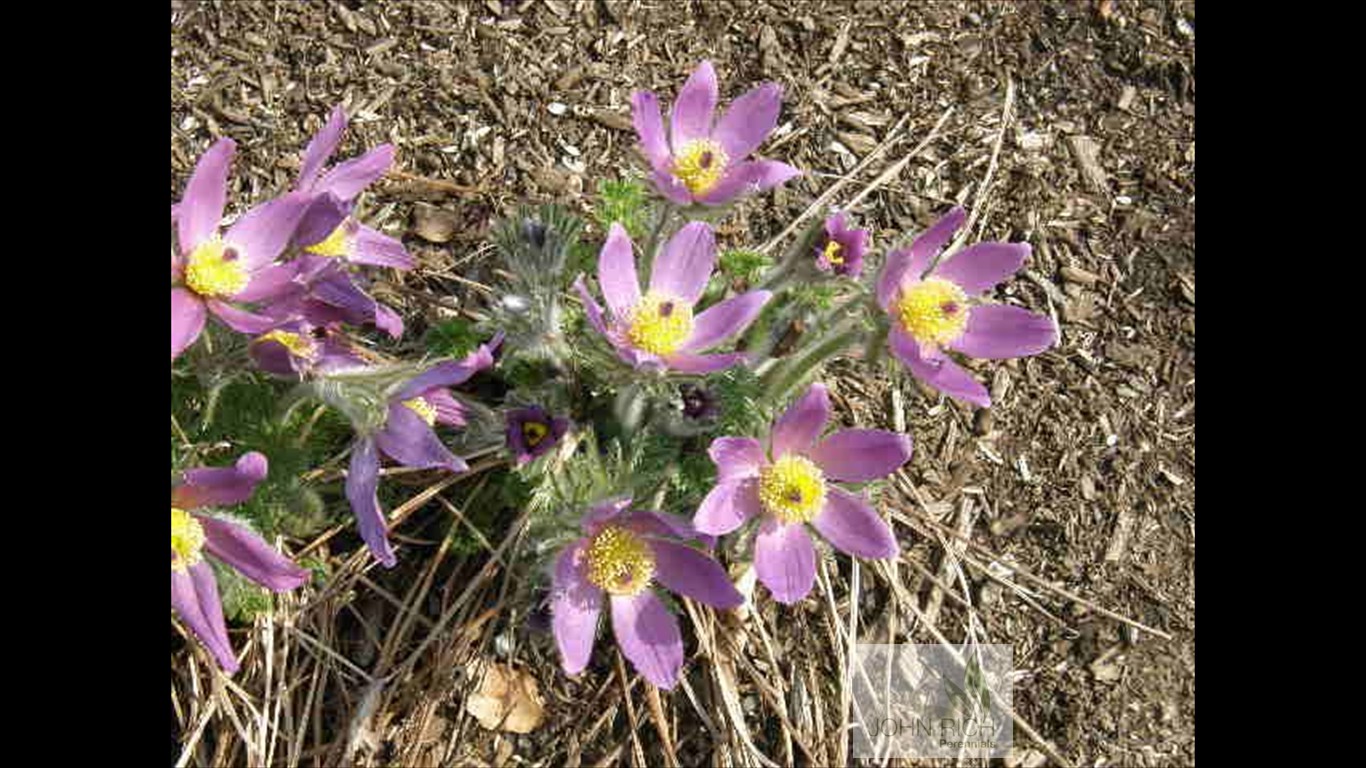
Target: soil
{"x": 1083, "y": 472}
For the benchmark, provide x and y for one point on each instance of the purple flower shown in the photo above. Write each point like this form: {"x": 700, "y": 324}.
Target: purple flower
{"x": 407, "y": 436}
{"x": 791, "y": 484}
{"x": 300, "y": 349}
{"x": 325, "y": 292}
{"x": 699, "y": 403}
{"x": 194, "y": 592}
{"x": 329, "y": 228}
{"x": 705, "y": 163}
{"x": 932, "y": 311}
{"x": 621, "y": 552}
{"x": 658, "y": 330}
{"x": 212, "y": 273}
{"x": 532, "y": 432}
{"x": 840, "y": 249}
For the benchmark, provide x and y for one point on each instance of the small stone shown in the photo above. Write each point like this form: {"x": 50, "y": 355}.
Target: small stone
{"x": 556, "y": 108}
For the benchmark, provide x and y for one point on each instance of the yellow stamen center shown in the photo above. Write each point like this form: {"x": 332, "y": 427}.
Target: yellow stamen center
{"x": 534, "y": 432}
{"x": 660, "y": 324}
{"x": 933, "y": 311}
{"x": 298, "y": 345}
{"x": 215, "y": 269}
{"x": 422, "y": 408}
{"x": 336, "y": 244}
{"x": 620, "y": 562}
{"x": 834, "y": 253}
{"x": 187, "y": 539}
{"x": 792, "y": 489}
{"x": 700, "y": 164}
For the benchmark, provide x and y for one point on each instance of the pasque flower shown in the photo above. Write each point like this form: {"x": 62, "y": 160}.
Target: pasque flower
{"x": 840, "y": 249}
{"x": 194, "y": 591}
{"x": 324, "y": 292}
{"x": 704, "y": 160}
{"x": 789, "y": 483}
{"x": 532, "y": 432}
{"x": 622, "y": 553}
{"x": 299, "y": 348}
{"x": 414, "y": 407}
{"x": 658, "y": 329}
{"x": 933, "y": 312}
{"x": 212, "y": 272}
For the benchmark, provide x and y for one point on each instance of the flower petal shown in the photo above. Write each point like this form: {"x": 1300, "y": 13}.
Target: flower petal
{"x": 853, "y": 527}
{"x": 362, "y": 487}
{"x": 269, "y": 283}
{"x": 665, "y": 524}
{"x": 736, "y": 457}
{"x": 369, "y": 246}
{"x": 264, "y": 231}
{"x": 943, "y": 374}
{"x": 693, "y": 574}
{"x": 649, "y": 637}
{"x": 999, "y": 331}
{"x": 749, "y": 120}
{"x": 575, "y": 604}
{"x": 908, "y": 264}
{"x": 860, "y": 455}
{"x": 321, "y": 147}
{"x": 785, "y": 560}
{"x": 187, "y": 319}
{"x": 799, "y": 426}
{"x": 348, "y": 179}
{"x": 728, "y": 506}
{"x": 220, "y": 486}
{"x": 241, "y": 320}
{"x": 685, "y": 265}
{"x": 604, "y": 512}
{"x": 722, "y": 321}
{"x": 979, "y": 267}
{"x": 617, "y": 273}
{"x": 591, "y": 308}
{"x": 649, "y": 123}
{"x": 449, "y": 411}
{"x": 388, "y": 320}
{"x": 447, "y": 374}
{"x": 407, "y": 439}
{"x": 207, "y": 191}
{"x": 748, "y": 177}
{"x": 699, "y": 364}
{"x": 671, "y": 187}
{"x": 325, "y": 212}
{"x": 239, "y": 546}
{"x": 694, "y": 108}
{"x": 194, "y": 596}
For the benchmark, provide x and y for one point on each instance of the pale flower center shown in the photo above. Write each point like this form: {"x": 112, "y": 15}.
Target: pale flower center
{"x": 792, "y": 489}
{"x": 425, "y": 410}
{"x": 336, "y": 244}
{"x": 700, "y": 164}
{"x": 660, "y": 324}
{"x": 834, "y": 253}
{"x": 933, "y": 311}
{"x": 187, "y": 539}
{"x": 298, "y": 345}
{"x": 534, "y": 432}
{"x": 215, "y": 269}
{"x": 620, "y": 562}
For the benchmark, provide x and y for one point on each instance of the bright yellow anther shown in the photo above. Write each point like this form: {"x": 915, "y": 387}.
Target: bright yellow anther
{"x": 660, "y": 324}
{"x": 534, "y": 432}
{"x": 297, "y": 344}
{"x": 700, "y": 164}
{"x": 834, "y": 253}
{"x": 187, "y": 539}
{"x": 423, "y": 409}
{"x": 620, "y": 562}
{"x": 215, "y": 269}
{"x": 336, "y": 244}
{"x": 933, "y": 311}
{"x": 792, "y": 489}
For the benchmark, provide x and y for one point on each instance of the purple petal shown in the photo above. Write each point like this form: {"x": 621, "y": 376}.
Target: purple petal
{"x": 979, "y": 267}
{"x": 321, "y": 218}
{"x": 998, "y": 331}
{"x": 348, "y": 179}
{"x": 591, "y": 308}
{"x": 725, "y": 320}
{"x": 799, "y": 426}
{"x": 692, "y": 113}
{"x": 194, "y": 596}
{"x": 736, "y": 457}
{"x": 699, "y": 364}
{"x": 943, "y": 374}
{"x": 449, "y": 411}
{"x": 749, "y": 120}
{"x": 860, "y": 455}
{"x": 603, "y": 512}
{"x": 646, "y": 117}
{"x": 207, "y": 191}
{"x": 728, "y": 506}
{"x": 220, "y": 486}
{"x": 908, "y": 264}
{"x": 785, "y": 560}
{"x": 649, "y": 637}
{"x": 321, "y": 147}
{"x": 187, "y": 319}
{"x": 243, "y": 549}
{"x": 665, "y": 524}
{"x": 362, "y": 486}
{"x": 241, "y": 320}
{"x": 692, "y": 574}
{"x": 671, "y": 187}
{"x": 264, "y": 231}
{"x": 748, "y": 177}
{"x": 407, "y": 439}
{"x": 617, "y": 273}
{"x": 369, "y": 246}
{"x": 269, "y": 283}
{"x": 853, "y": 527}
{"x": 388, "y": 320}
{"x": 684, "y": 267}
{"x": 447, "y": 374}
{"x": 575, "y": 604}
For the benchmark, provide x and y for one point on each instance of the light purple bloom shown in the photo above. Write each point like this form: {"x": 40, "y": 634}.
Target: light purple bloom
{"x": 329, "y": 228}
{"x": 299, "y": 349}
{"x": 790, "y": 482}
{"x": 532, "y": 432}
{"x": 931, "y": 312}
{"x": 407, "y": 436}
{"x": 840, "y": 249}
{"x": 621, "y": 553}
{"x": 325, "y": 292}
{"x": 213, "y": 273}
{"x": 194, "y": 591}
{"x": 657, "y": 329}
{"x": 704, "y": 161}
